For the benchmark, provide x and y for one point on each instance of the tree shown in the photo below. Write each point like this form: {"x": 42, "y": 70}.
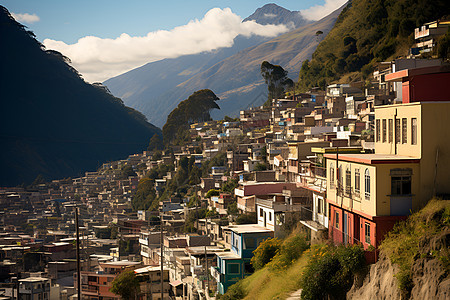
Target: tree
{"x": 276, "y": 79}
{"x": 249, "y": 218}
{"x": 126, "y": 285}
{"x": 155, "y": 143}
{"x": 212, "y": 192}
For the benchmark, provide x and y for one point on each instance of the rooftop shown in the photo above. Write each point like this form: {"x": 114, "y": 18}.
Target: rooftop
{"x": 228, "y": 255}
{"x": 248, "y": 228}
{"x": 375, "y": 158}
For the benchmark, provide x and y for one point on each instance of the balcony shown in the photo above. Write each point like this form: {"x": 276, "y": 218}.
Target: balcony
{"x": 276, "y": 206}
{"x": 216, "y": 274}
{"x": 401, "y": 205}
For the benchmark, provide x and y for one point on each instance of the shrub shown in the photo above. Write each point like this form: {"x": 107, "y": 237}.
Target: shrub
{"x": 234, "y": 292}
{"x": 265, "y": 252}
{"x": 291, "y": 249}
{"x": 330, "y": 271}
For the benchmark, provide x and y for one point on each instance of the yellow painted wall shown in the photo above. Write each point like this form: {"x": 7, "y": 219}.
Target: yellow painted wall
{"x": 356, "y": 202}
{"x": 436, "y": 135}
{"x": 383, "y": 185}
{"x": 407, "y": 111}
{"x": 433, "y": 140}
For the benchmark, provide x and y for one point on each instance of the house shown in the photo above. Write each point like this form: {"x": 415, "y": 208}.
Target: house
{"x": 368, "y": 193}
{"x": 150, "y": 282}
{"x": 235, "y": 265}
{"x": 96, "y": 285}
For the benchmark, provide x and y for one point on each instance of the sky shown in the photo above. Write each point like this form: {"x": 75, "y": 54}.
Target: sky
{"x": 104, "y": 38}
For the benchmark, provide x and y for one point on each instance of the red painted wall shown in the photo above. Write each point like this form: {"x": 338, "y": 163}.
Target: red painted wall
{"x": 428, "y": 87}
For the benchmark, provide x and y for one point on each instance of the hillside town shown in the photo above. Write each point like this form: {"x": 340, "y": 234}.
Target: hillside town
{"x": 343, "y": 164}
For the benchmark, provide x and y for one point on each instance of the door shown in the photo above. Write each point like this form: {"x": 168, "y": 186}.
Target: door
{"x": 345, "y": 228}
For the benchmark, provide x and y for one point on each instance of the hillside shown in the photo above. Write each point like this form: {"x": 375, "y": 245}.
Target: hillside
{"x": 52, "y": 122}
{"x": 414, "y": 264}
{"x": 155, "y": 89}
{"x": 365, "y": 33}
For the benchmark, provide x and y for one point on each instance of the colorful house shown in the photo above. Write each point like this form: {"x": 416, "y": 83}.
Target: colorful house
{"x": 368, "y": 193}
{"x": 235, "y": 265}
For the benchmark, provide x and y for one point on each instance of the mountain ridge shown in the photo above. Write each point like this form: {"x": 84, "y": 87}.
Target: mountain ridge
{"x": 52, "y": 122}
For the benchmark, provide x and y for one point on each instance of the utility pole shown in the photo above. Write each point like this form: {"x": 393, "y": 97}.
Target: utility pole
{"x": 162, "y": 255}
{"x": 78, "y": 255}
{"x": 207, "y": 274}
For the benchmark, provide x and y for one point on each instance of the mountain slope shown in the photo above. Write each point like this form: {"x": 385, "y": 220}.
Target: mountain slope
{"x": 51, "y": 121}
{"x": 150, "y": 87}
{"x": 365, "y": 33}
{"x": 237, "y": 80}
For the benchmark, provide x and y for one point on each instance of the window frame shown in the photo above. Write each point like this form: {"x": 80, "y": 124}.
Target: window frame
{"x": 357, "y": 181}
{"x": 377, "y": 129}
{"x": 413, "y": 131}
{"x": 390, "y": 130}
{"x": 367, "y": 184}
{"x": 404, "y": 130}
{"x": 367, "y": 232}
{"x": 384, "y": 131}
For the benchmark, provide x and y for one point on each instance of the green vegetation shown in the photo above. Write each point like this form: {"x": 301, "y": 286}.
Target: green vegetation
{"x": 367, "y": 32}
{"x": 194, "y": 109}
{"x": 212, "y": 192}
{"x": 330, "y": 271}
{"x": 265, "y": 252}
{"x": 282, "y": 267}
{"x": 248, "y": 218}
{"x": 126, "y": 285}
{"x": 423, "y": 235}
{"x": 155, "y": 143}
{"x": 276, "y": 79}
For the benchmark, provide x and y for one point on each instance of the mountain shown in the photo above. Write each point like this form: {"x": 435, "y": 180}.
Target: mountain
{"x": 365, "y": 33}
{"x": 52, "y": 122}
{"x": 274, "y": 14}
{"x": 150, "y": 87}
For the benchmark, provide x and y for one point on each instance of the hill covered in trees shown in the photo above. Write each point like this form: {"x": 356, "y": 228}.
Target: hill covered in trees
{"x": 367, "y": 32}
{"x": 194, "y": 109}
{"x": 51, "y": 121}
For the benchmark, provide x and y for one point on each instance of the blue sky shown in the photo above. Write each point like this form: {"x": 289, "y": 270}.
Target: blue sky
{"x": 68, "y": 21}
{"x": 104, "y": 38}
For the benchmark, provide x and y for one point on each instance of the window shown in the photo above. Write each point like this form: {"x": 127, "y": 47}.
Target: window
{"x": 249, "y": 243}
{"x": 336, "y": 221}
{"x": 233, "y": 268}
{"x": 367, "y": 184}
{"x": 367, "y": 232}
{"x": 414, "y": 131}
{"x": 270, "y": 216}
{"x": 340, "y": 180}
{"x": 397, "y": 131}
{"x": 404, "y": 131}
{"x": 378, "y": 130}
{"x": 357, "y": 181}
{"x": 331, "y": 176}
{"x": 401, "y": 182}
{"x": 384, "y": 130}
{"x": 390, "y": 129}
{"x": 348, "y": 181}
{"x": 261, "y": 212}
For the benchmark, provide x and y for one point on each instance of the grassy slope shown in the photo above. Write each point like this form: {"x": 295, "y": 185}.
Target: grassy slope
{"x": 423, "y": 235}
{"x": 404, "y": 245}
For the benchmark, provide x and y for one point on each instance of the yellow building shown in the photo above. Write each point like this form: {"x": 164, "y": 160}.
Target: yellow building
{"x": 368, "y": 193}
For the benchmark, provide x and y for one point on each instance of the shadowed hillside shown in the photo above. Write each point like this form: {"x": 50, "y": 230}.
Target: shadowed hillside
{"x": 51, "y": 121}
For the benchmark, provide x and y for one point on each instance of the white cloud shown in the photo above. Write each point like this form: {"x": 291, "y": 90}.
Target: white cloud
{"x": 317, "y": 12}
{"x": 26, "y": 18}
{"x": 270, "y": 15}
{"x": 98, "y": 59}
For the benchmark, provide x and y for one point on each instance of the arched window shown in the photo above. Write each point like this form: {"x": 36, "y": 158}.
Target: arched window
{"x": 331, "y": 175}
{"x": 367, "y": 184}
{"x": 340, "y": 181}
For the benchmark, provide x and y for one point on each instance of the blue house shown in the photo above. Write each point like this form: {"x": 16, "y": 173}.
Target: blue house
{"x": 235, "y": 265}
